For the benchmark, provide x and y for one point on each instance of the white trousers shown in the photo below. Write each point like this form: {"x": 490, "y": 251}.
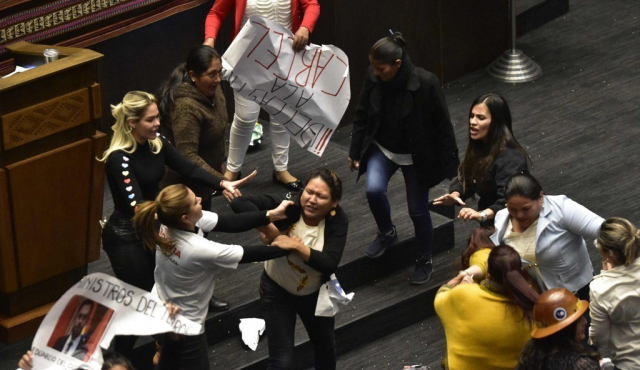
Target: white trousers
{"x": 244, "y": 119}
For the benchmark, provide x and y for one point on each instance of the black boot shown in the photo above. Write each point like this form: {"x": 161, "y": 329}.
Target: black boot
{"x": 217, "y": 305}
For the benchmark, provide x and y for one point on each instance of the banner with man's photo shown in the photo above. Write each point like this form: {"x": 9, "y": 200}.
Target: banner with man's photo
{"x": 88, "y": 316}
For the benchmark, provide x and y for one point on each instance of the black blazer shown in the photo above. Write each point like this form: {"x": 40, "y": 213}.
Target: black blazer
{"x": 491, "y": 188}
{"x": 335, "y": 227}
{"x": 425, "y": 117}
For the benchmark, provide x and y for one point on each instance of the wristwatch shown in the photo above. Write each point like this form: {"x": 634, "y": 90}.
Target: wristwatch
{"x": 268, "y": 218}
{"x": 484, "y": 216}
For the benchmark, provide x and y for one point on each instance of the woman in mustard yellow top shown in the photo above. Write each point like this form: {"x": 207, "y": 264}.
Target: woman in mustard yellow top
{"x": 487, "y": 324}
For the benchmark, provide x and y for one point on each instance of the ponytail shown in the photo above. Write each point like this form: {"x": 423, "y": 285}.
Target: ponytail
{"x": 146, "y": 220}
{"x": 168, "y": 208}
{"x": 388, "y": 49}
{"x": 178, "y": 76}
{"x": 198, "y": 62}
{"x": 621, "y": 237}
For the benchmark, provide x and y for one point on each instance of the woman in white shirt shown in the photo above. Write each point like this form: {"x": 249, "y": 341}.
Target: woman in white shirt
{"x": 615, "y": 298}
{"x": 186, "y": 262}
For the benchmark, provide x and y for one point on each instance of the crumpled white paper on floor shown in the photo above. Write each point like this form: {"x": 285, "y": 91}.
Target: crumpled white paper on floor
{"x": 251, "y": 330}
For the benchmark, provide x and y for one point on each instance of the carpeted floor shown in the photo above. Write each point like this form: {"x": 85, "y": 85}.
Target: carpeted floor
{"x": 579, "y": 122}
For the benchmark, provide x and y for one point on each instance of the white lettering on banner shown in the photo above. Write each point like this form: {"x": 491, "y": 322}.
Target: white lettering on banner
{"x": 98, "y": 307}
{"x": 308, "y": 91}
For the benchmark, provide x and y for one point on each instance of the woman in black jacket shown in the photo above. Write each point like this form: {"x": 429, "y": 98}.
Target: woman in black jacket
{"x": 492, "y": 156}
{"x": 402, "y": 121}
{"x": 315, "y": 231}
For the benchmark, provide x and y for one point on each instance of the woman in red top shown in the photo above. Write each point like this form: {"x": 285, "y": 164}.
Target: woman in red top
{"x": 300, "y": 17}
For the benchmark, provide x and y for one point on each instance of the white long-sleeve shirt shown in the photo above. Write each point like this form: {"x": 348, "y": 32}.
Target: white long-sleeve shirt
{"x": 615, "y": 313}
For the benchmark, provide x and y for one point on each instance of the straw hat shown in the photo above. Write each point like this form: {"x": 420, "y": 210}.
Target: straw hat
{"x": 554, "y": 310}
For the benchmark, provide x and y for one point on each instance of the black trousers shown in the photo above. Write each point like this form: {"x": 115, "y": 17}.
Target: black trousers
{"x": 131, "y": 263}
{"x": 279, "y": 309}
{"x": 186, "y": 353}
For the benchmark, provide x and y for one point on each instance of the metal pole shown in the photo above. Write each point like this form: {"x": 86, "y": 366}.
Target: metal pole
{"x": 514, "y": 66}
{"x": 513, "y": 26}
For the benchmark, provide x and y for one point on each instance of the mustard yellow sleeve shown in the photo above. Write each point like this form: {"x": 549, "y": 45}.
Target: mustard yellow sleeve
{"x": 481, "y": 259}
{"x": 441, "y": 297}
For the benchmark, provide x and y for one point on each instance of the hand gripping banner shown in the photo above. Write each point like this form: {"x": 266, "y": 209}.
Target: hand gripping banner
{"x": 307, "y": 91}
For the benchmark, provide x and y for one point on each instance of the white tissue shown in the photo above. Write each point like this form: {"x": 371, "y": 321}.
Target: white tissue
{"x": 251, "y": 330}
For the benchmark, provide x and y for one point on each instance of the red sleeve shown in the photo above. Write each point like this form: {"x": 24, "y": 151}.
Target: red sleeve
{"x": 311, "y": 12}
{"x": 216, "y": 16}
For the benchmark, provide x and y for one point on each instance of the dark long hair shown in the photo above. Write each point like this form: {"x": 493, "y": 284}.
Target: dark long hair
{"x": 534, "y": 353}
{"x": 479, "y": 239}
{"x": 505, "y": 268}
{"x": 479, "y": 157}
{"x": 198, "y": 61}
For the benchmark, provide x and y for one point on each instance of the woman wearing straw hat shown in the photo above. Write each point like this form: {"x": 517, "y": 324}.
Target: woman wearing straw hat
{"x": 559, "y": 327}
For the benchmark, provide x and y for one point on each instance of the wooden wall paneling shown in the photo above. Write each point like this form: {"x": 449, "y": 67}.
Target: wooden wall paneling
{"x": 474, "y": 34}
{"x": 46, "y": 118}
{"x": 50, "y": 219}
{"x": 41, "y": 293}
{"x": 8, "y": 273}
{"x": 99, "y": 143}
{"x": 13, "y": 329}
{"x": 96, "y": 102}
{"x": 13, "y": 91}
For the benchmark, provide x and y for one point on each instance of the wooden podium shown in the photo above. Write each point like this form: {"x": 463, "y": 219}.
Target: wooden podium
{"x": 51, "y": 185}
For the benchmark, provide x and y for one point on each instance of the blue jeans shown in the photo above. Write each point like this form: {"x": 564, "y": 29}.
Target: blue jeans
{"x": 380, "y": 169}
{"x": 279, "y": 308}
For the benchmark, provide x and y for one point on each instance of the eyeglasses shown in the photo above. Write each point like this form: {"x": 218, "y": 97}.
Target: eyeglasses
{"x": 215, "y": 75}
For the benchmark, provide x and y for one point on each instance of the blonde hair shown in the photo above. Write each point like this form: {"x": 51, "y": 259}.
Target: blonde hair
{"x": 133, "y": 107}
{"x": 168, "y": 208}
{"x": 620, "y": 236}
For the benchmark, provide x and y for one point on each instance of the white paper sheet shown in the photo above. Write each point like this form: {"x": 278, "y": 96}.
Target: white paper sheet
{"x": 308, "y": 91}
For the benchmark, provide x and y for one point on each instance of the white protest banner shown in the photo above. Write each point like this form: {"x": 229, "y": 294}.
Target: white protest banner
{"x": 91, "y": 313}
{"x": 307, "y": 91}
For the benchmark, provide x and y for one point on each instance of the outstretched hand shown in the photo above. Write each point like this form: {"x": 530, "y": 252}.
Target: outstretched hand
{"x": 230, "y": 188}
{"x": 449, "y": 200}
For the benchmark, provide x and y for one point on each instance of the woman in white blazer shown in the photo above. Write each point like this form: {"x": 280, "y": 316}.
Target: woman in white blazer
{"x": 548, "y": 231}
